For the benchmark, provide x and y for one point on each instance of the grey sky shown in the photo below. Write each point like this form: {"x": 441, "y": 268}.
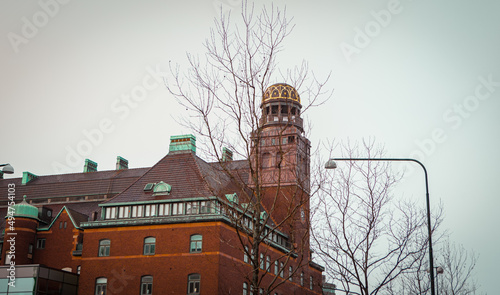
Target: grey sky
{"x": 425, "y": 82}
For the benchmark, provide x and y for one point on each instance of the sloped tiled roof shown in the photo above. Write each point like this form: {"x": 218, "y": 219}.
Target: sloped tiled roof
{"x": 188, "y": 175}
{"x": 72, "y": 184}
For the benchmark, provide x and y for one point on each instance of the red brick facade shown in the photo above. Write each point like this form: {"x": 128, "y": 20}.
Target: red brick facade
{"x": 100, "y": 222}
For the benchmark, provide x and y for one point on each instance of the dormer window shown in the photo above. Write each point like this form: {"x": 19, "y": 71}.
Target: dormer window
{"x": 233, "y": 198}
{"x": 162, "y": 188}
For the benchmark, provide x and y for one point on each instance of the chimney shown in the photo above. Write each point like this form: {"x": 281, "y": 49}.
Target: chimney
{"x": 227, "y": 155}
{"x": 27, "y": 177}
{"x": 121, "y": 163}
{"x": 90, "y": 166}
{"x": 182, "y": 144}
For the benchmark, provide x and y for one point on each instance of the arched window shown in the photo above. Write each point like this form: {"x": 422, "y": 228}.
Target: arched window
{"x": 245, "y": 288}
{"x": 104, "y": 246}
{"x": 78, "y": 269}
{"x": 194, "y": 284}
{"x": 196, "y": 243}
{"x": 268, "y": 263}
{"x": 100, "y": 286}
{"x": 149, "y": 245}
{"x": 146, "y": 285}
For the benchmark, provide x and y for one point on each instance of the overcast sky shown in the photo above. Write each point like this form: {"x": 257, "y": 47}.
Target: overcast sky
{"x": 421, "y": 76}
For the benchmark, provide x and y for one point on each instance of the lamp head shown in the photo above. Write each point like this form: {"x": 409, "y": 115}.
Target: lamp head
{"x": 7, "y": 168}
{"x": 331, "y": 164}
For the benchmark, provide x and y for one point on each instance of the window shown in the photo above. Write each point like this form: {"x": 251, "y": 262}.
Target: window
{"x": 194, "y": 284}
{"x": 311, "y": 282}
{"x": 207, "y": 207}
{"x": 290, "y": 272}
{"x": 78, "y": 269}
{"x": 195, "y": 245}
{"x": 111, "y": 213}
{"x": 282, "y": 269}
{"x": 65, "y": 224}
{"x": 30, "y": 249}
{"x": 60, "y": 224}
{"x": 268, "y": 263}
{"x": 124, "y": 212}
{"x": 302, "y": 279}
{"x": 137, "y": 211}
{"x": 149, "y": 245}
{"x": 177, "y": 208}
{"x": 100, "y": 286}
{"x": 104, "y": 246}
{"x": 192, "y": 207}
{"x": 146, "y": 285}
{"x": 276, "y": 267}
{"x": 163, "y": 209}
{"x": 150, "y": 210}
{"x": 245, "y": 288}
{"x": 261, "y": 260}
{"x": 40, "y": 244}
{"x": 245, "y": 255}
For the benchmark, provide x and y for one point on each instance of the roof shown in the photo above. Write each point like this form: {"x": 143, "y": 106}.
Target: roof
{"x": 73, "y": 184}
{"x": 281, "y": 91}
{"x": 188, "y": 175}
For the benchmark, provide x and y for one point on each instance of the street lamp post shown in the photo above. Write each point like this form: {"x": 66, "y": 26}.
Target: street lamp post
{"x": 331, "y": 164}
{"x": 7, "y": 168}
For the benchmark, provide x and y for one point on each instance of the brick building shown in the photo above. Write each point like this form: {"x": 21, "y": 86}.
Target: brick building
{"x": 182, "y": 226}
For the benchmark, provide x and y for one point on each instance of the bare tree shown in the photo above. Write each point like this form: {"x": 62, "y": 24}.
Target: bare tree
{"x": 365, "y": 236}
{"x": 223, "y": 93}
{"x": 454, "y": 273}
{"x": 458, "y": 266}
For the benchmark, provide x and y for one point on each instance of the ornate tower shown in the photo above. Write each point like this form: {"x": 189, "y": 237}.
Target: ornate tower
{"x": 283, "y": 151}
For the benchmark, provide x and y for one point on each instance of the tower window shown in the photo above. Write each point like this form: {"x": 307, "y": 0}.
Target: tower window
{"x": 274, "y": 110}
{"x": 284, "y": 110}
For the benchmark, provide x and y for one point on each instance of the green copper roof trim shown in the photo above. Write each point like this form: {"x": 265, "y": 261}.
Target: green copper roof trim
{"x": 57, "y": 216}
{"x": 23, "y": 209}
{"x": 27, "y": 177}
{"x": 158, "y": 201}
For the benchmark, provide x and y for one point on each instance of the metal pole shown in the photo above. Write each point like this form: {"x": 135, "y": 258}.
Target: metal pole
{"x": 429, "y": 228}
